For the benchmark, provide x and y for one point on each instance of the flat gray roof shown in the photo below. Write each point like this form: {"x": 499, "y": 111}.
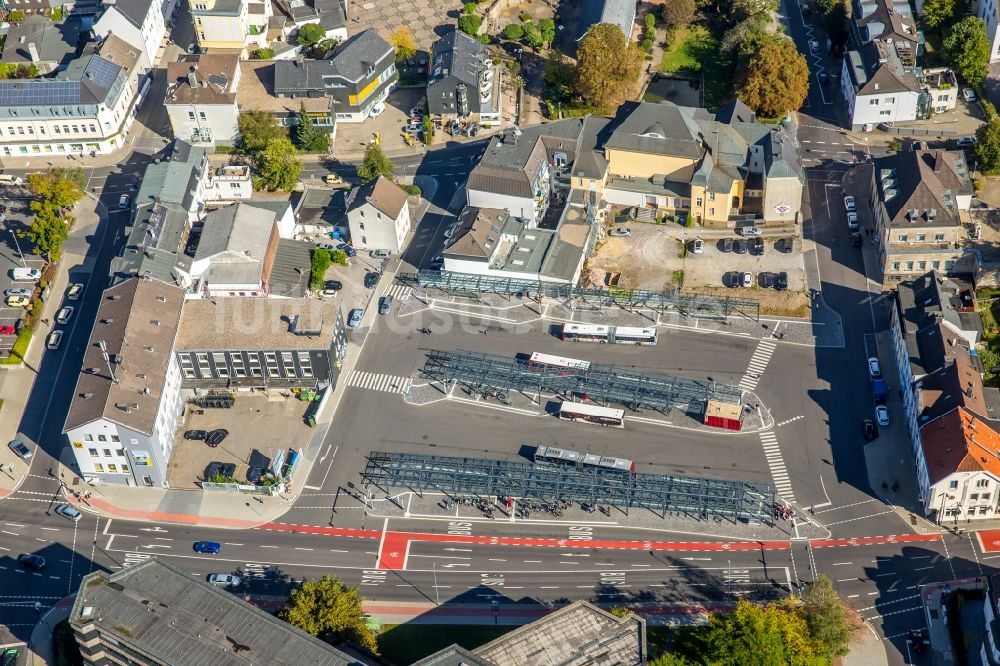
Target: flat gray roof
{"x": 255, "y": 323}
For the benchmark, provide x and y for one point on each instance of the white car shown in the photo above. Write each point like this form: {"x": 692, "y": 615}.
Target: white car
{"x": 698, "y": 246}
{"x": 377, "y": 110}
{"x": 74, "y": 291}
{"x": 968, "y": 94}
{"x": 882, "y": 415}
{"x": 326, "y": 246}
{"x": 18, "y": 291}
{"x": 25, "y": 274}
{"x": 65, "y": 314}
{"x": 621, "y": 232}
{"x": 68, "y": 512}
{"x": 748, "y": 279}
{"x": 852, "y": 221}
{"x": 449, "y": 233}
{"x": 226, "y": 580}
{"x": 749, "y": 232}
{"x": 54, "y": 340}
{"x": 874, "y": 369}
{"x": 966, "y": 142}
{"x": 849, "y": 204}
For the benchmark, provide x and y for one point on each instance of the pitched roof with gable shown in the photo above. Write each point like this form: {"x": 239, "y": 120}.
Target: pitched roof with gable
{"x": 382, "y": 194}
{"x": 922, "y": 181}
{"x": 54, "y": 42}
{"x": 458, "y": 54}
{"x": 660, "y": 129}
{"x": 615, "y": 12}
{"x": 957, "y": 384}
{"x": 135, "y": 11}
{"x": 214, "y": 77}
{"x": 960, "y": 441}
{"x": 240, "y": 228}
{"x": 478, "y": 231}
{"x": 137, "y": 321}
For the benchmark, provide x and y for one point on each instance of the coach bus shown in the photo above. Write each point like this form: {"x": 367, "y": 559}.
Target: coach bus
{"x": 556, "y": 456}
{"x": 538, "y": 361}
{"x": 608, "y": 334}
{"x": 588, "y": 413}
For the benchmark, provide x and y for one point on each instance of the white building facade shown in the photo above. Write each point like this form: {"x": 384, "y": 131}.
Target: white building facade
{"x": 138, "y": 22}
{"x": 378, "y": 216}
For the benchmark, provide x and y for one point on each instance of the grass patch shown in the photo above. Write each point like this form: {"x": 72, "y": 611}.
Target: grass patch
{"x": 695, "y": 50}
{"x": 20, "y": 347}
{"x": 64, "y": 646}
{"x": 406, "y": 643}
{"x": 678, "y": 278}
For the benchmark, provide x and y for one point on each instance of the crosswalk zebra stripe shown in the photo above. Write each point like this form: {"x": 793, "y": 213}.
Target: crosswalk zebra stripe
{"x": 376, "y": 381}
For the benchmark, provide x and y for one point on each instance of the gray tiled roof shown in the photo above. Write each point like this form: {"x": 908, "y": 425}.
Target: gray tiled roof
{"x": 137, "y": 321}
{"x": 173, "y": 180}
{"x": 458, "y": 54}
{"x": 151, "y": 249}
{"x": 180, "y": 619}
{"x": 55, "y": 42}
{"x": 239, "y": 228}
{"x": 875, "y": 67}
{"x": 350, "y": 61}
{"x": 135, "y": 10}
{"x": 659, "y": 129}
{"x": 616, "y": 12}
{"x": 511, "y": 160}
{"x": 289, "y": 276}
{"x": 382, "y": 194}
{"x": 921, "y": 181}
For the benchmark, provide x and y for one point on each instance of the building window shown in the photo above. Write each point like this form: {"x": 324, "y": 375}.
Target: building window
{"x": 102, "y": 438}
{"x": 909, "y": 265}
{"x": 902, "y": 238}
{"x": 113, "y": 468}
{"x": 890, "y": 100}
{"x": 711, "y": 211}
{"x": 115, "y": 438}
{"x": 982, "y": 483}
{"x": 887, "y": 112}
{"x": 107, "y": 453}
{"x": 873, "y": 102}
{"x": 190, "y": 115}
{"x": 949, "y": 264}
{"x": 921, "y": 238}
{"x": 953, "y": 485}
{"x": 895, "y": 265}
{"x": 938, "y": 238}
{"x": 922, "y": 265}
{"x": 98, "y": 467}
{"x": 697, "y": 202}
{"x": 974, "y": 497}
{"x": 711, "y": 196}
{"x": 361, "y": 225}
{"x": 88, "y": 438}
{"x": 94, "y": 452}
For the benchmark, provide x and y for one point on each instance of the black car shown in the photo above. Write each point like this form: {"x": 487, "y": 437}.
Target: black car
{"x": 215, "y": 437}
{"x": 196, "y": 435}
{"x": 254, "y": 474}
{"x": 785, "y": 245}
{"x": 869, "y": 429}
{"x": 781, "y": 283}
{"x": 740, "y": 246}
{"x": 36, "y": 562}
{"x": 216, "y": 468}
{"x": 371, "y": 279}
{"x": 757, "y": 245}
{"x": 856, "y": 239}
{"x": 765, "y": 280}
{"x": 335, "y": 285}
{"x": 725, "y": 245}
{"x": 732, "y": 279}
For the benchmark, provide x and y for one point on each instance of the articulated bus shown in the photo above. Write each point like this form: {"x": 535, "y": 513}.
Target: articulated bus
{"x": 553, "y": 455}
{"x": 540, "y": 362}
{"x": 608, "y": 334}
{"x": 580, "y": 411}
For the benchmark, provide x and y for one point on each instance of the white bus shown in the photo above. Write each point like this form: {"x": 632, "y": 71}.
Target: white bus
{"x": 581, "y": 411}
{"x": 608, "y": 334}
{"x": 556, "y": 456}
{"x": 538, "y": 361}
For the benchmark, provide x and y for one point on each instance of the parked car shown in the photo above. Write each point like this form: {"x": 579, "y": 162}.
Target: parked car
{"x": 874, "y": 369}
{"x": 209, "y": 547}
{"x": 377, "y": 110}
{"x": 380, "y": 254}
{"x": 7, "y": 329}
{"x": 781, "y": 283}
{"x": 757, "y": 246}
{"x": 384, "y": 304}
{"x": 19, "y": 448}
{"x": 335, "y": 181}
{"x": 869, "y": 430}
{"x": 732, "y": 279}
{"x": 334, "y": 285}
{"x": 620, "y": 232}
{"x": 966, "y": 142}
{"x": 968, "y": 94}
{"x": 371, "y": 279}
{"x": 849, "y": 203}
{"x": 354, "y": 318}
{"x": 68, "y": 512}
{"x": 215, "y": 437}
{"x": 330, "y": 247}
{"x": 18, "y": 291}
{"x": 785, "y": 245}
{"x": 25, "y": 274}
{"x": 348, "y": 250}
{"x": 747, "y": 279}
{"x": 823, "y": 77}
{"x": 766, "y": 280}
{"x": 725, "y": 245}
{"x": 195, "y": 435}
{"x": 857, "y": 240}
{"x": 852, "y": 221}
{"x": 216, "y": 468}
{"x": 74, "y": 291}
{"x": 17, "y": 301}
{"x": 123, "y": 201}
{"x": 65, "y": 314}
{"x": 697, "y": 246}
{"x": 254, "y": 474}
{"x": 36, "y": 562}
{"x": 749, "y": 231}
{"x": 813, "y": 46}
{"x": 740, "y": 246}
{"x": 882, "y": 415}
{"x": 54, "y": 340}
{"x": 225, "y": 580}
{"x": 417, "y": 111}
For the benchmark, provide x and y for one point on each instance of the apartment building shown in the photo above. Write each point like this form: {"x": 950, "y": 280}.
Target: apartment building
{"x": 235, "y": 252}
{"x": 917, "y": 196}
{"x": 40, "y": 42}
{"x": 125, "y": 409}
{"x": 356, "y": 77}
{"x": 989, "y": 12}
{"x": 464, "y": 82}
{"x": 235, "y": 27}
{"x": 138, "y": 22}
{"x": 88, "y": 107}
{"x": 201, "y": 99}
{"x": 378, "y": 216}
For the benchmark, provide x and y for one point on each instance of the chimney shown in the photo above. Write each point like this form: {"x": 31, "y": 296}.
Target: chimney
{"x": 193, "y": 76}
{"x": 33, "y": 52}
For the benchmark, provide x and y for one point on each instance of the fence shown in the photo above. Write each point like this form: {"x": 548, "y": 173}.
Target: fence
{"x": 243, "y": 488}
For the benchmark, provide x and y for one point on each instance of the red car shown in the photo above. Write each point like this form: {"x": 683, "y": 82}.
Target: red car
{"x": 7, "y": 330}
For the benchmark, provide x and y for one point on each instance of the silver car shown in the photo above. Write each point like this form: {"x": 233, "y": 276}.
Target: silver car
{"x": 68, "y": 512}
{"x": 225, "y": 580}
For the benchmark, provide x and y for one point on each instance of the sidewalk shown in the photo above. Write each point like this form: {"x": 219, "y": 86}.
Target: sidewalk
{"x": 40, "y": 644}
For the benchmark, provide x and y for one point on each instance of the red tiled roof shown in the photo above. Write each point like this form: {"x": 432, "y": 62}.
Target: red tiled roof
{"x": 960, "y": 441}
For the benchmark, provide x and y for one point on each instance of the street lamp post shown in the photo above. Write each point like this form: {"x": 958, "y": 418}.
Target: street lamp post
{"x": 437, "y": 593}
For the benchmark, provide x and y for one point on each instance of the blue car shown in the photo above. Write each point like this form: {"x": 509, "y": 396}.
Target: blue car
{"x": 350, "y": 251}
{"x": 210, "y": 547}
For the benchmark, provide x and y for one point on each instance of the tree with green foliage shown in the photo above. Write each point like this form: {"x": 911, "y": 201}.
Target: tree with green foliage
{"x": 318, "y": 265}
{"x": 263, "y": 54}
{"x": 743, "y": 39}
{"x": 58, "y": 189}
{"x": 16, "y": 17}
{"x": 20, "y": 71}
{"x": 753, "y": 634}
{"x": 375, "y": 164}
{"x": 987, "y": 148}
{"x": 828, "y": 618}
{"x": 775, "y": 80}
{"x": 607, "y": 66}
{"x": 56, "y": 15}
{"x": 323, "y": 48}
{"x": 276, "y": 167}
{"x": 558, "y": 74}
{"x": 403, "y": 41}
{"x": 967, "y": 50}
{"x": 678, "y": 13}
{"x": 256, "y": 129}
{"x": 547, "y": 30}
{"x": 330, "y": 610}
{"x": 47, "y": 233}
{"x": 428, "y": 130}
{"x": 741, "y": 10}
{"x": 469, "y": 21}
{"x": 308, "y": 138}
{"x": 532, "y": 35}
{"x": 649, "y": 22}
{"x": 338, "y": 257}
{"x": 310, "y": 34}
{"x": 836, "y": 20}
{"x": 513, "y": 31}
{"x": 939, "y": 13}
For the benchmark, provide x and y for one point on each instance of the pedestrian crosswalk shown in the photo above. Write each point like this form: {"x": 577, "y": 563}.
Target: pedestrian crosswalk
{"x": 758, "y": 363}
{"x": 772, "y": 453}
{"x": 399, "y": 291}
{"x": 377, "y": 381}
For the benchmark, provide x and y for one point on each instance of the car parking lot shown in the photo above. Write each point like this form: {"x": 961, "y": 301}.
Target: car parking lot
{"x": 16, "y": 216}
{"x": 255, "y": 423}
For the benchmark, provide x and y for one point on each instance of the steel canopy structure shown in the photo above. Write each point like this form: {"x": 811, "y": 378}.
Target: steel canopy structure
{"x": 702, "y": 306}
{"x": 631, "y": 388}
{"x": 692, "y": 497}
